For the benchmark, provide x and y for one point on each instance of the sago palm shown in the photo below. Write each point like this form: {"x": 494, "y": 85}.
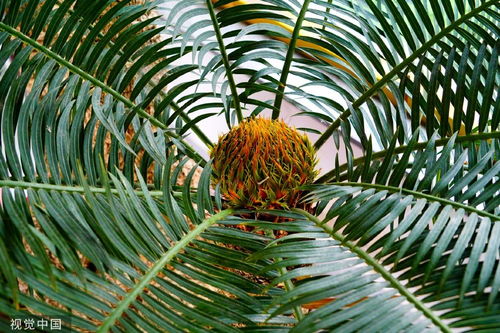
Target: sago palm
{"x": 101, "y": 103}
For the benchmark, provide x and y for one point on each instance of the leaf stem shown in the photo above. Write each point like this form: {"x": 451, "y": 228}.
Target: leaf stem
{"x": 157, "y": 267}
{"x": 75, "y": 69}
{"x": 65, "y": 188}
{"x": 86, "y": 76}
{"x": 430, "y": 197}
{"x": 368, "y": 93}
{"x": 325, "y": 20}
{"x": 175, "y": 106}
{"x": 379, "y": 268}
{"x": 297, "y": 311}
{"x": 421, "y": 145}
{"x": 225, "y": 61}
{"x": 289, "y": 58}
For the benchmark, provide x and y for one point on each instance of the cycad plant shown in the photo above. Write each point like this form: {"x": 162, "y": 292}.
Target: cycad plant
{"x": 100, "y": 102}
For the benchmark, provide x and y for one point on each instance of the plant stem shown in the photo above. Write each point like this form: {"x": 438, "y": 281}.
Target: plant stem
{"x": 289, "y": 58}
{"x": 421, "y": 145}
{"x": 175, "y": 106}
{"x": 379, "y": 268}
{"x": 77, "y": 189}
{"x": 325, "y": 19}
{"x": 86, "y": 76}
{"x": 202, "y": 136}
{"x": 157, "y": 267}
{"x": 429, "y": 197}
{"x": 368, "y": 93}
{"x": 76, "y": 70}
{"x": 225, "y": 61}
{"x": 297, "y": 311}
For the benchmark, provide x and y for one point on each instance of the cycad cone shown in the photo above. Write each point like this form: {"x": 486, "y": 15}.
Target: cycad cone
{"x": 261, "y": 164}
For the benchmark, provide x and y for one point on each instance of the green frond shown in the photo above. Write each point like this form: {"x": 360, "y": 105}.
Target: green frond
{"x": 112, "y": 220}
{"x": 112, "y": 257}
{"x": 429, "y": 50}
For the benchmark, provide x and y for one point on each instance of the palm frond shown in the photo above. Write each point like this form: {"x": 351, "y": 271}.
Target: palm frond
{"x": 102, "y": 260}
{"x": 90, "y": 104}
{"x": 102, "y": 220}
{"x": 356, "y": 271}
{"x": 460, "y": 172}
{"x": 435, "y": 47}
